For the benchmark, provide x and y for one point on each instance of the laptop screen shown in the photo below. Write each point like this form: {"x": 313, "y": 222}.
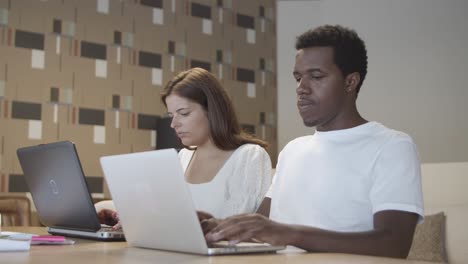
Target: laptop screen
{"x": 57, "y": 184}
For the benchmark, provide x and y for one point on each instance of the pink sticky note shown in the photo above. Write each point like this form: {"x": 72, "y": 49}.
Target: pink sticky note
{"x": 48, "y": 238}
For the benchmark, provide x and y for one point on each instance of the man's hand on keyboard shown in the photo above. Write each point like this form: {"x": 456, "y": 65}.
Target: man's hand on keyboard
{"x": 207, "y": 221}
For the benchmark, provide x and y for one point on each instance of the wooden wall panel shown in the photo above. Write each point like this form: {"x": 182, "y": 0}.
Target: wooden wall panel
{"x": 68, "y": 70}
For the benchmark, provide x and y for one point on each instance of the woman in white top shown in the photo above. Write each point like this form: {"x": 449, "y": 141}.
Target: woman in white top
{"x": 228, "y": 171}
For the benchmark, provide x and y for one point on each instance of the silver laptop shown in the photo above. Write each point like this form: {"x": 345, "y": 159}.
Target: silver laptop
{"x": 57, "y": 184}
{"x": 155, "y": 205}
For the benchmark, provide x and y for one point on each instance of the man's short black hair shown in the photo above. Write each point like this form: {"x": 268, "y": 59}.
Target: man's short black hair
{"x": 349, "y": 51}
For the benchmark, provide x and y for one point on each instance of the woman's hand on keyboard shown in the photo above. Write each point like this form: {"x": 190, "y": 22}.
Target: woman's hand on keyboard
{"x": 109, "y": 217}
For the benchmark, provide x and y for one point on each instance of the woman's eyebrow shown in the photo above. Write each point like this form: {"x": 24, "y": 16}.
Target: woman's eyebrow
{"x": 182, "y": 108}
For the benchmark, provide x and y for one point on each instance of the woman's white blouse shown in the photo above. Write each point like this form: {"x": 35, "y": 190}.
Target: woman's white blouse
{"x": 238, "y": 187}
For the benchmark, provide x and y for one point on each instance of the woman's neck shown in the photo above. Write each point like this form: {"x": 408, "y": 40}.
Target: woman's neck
{"x": 206, "y": 162}
{"x": 208, "y": 149}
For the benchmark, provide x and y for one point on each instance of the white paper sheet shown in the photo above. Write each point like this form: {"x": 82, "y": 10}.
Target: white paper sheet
{"x": 12, "y": 241}
{"x": 14, "y": 245}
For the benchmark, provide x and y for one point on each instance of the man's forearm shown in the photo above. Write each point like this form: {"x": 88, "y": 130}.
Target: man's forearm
{"x": 264, "y": 208}
{"x": 376, "y": 242}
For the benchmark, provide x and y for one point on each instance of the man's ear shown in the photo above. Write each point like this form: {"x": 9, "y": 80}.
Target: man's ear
{"x": 352, "y": 81}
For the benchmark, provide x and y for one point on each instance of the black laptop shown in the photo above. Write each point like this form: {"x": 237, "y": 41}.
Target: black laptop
{"x": 58, "y": 188}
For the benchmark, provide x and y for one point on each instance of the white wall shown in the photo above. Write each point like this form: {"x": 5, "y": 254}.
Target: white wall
{"x": 418, "y": 67}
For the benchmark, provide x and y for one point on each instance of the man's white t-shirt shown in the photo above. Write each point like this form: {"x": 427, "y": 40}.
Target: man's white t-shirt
{"x": 238, "y": 187}
{"x": 337, "y": 180}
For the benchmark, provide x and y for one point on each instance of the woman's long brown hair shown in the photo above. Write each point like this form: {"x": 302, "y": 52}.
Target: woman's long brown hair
{"x": 202, "y": 87}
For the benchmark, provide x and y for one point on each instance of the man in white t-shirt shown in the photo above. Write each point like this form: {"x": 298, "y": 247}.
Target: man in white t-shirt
{"x": 352, "y": 187}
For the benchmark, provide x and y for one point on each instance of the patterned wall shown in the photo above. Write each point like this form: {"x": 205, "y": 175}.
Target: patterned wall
{"x": 91, "y": 71}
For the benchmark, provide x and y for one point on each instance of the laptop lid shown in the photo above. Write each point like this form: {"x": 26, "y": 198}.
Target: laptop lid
{"x": 58, "y": 188}
{"x": 155, "y": 205}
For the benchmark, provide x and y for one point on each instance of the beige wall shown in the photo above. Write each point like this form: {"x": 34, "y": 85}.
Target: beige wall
{"x": 91, "y": 71}
{"x": 417, "y": 68}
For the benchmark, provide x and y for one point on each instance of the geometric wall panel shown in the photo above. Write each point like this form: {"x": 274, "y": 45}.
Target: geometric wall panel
{"x": 202, "y": 11}
{"x": 25, "y": 110}
{"x": 29, "y": 40}
{"x": 147, "y": 121}
{"x": 148, "y": 59}
{"x": 54, "y": 94}
{"x": 17, "y": 183}
{"x": 200, "y": 64}
{"x": 91, "y": 117}
{"x": 93, "y": 50}
{"x": 92, "y": 72}
{"x": 153, "y": 3}
{"x": 245, "y": 21}
{"x": 245, "y": 75}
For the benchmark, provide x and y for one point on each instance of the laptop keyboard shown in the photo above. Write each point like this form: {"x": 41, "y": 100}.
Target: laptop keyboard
{"x": 225, "y": 244}
{"x": 108, "y": 229}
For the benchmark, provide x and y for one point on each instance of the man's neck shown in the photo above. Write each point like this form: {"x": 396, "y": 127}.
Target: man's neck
{"x": 347, "y": 119}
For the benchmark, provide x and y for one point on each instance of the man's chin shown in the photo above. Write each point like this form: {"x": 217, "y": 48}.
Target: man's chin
{"x": 308, "y": 123}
